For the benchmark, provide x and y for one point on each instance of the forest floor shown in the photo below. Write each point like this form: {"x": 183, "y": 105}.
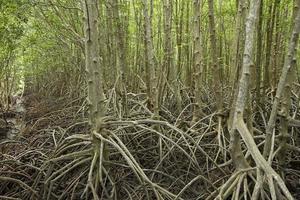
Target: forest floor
{"x": 35, "y": 127}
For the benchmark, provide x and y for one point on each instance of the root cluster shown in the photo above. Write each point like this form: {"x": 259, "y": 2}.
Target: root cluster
{"x": 132, "y": 157}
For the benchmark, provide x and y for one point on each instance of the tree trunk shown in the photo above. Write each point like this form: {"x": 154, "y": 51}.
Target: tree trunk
{"x": 287, "y": 68}
{"x": 258, "y": 55}
{"x": 122, "y": 56}
{"x": 197, "y": 65}
{"x": 150, "y": 70}
{"x": 93, "y": 68}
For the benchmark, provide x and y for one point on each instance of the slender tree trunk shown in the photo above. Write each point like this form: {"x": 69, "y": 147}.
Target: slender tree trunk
{"x": 188, "y": 68}
{"x": 270, "y": 30}
{"x": 150, "y": 70}
{"x": 276, "y": 51}
{"x": 285, "y": 115}
{"x": 95, "y": 96}
{"x": 111, "y": 45}
{"x": 180, "y": 37}
{"x": 234, "y": 74}
{"x": 239, "y": 29}
{"x": 216, "y": 68}
{"x": 197, "y": 65}
{"x": 122, "y": 56}
{"x": 287, "y": 68}
{"x": 169, "y": 67}
{"x": 93, "y": 68}
{"x": 217, "y": 71}
{"x": 259, "y": 54}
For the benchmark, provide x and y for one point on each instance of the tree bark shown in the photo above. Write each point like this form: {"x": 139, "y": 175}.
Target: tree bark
{"x": 95, "y": 88}
{"x": 150, "y": 70}
{"x": 197, "y": 62}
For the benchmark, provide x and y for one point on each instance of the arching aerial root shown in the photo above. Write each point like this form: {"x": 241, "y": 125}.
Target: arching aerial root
{"x": 97, "y": 172}
{"x": 265, "y": 175}
{"x": 246, "y": 184}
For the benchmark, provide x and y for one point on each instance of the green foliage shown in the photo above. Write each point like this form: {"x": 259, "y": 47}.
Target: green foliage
{"x": 12, "y": 21}
{"x": 13, "y": 18}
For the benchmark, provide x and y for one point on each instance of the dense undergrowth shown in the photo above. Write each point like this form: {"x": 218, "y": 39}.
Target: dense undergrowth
{"x": 166, "y": 158}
